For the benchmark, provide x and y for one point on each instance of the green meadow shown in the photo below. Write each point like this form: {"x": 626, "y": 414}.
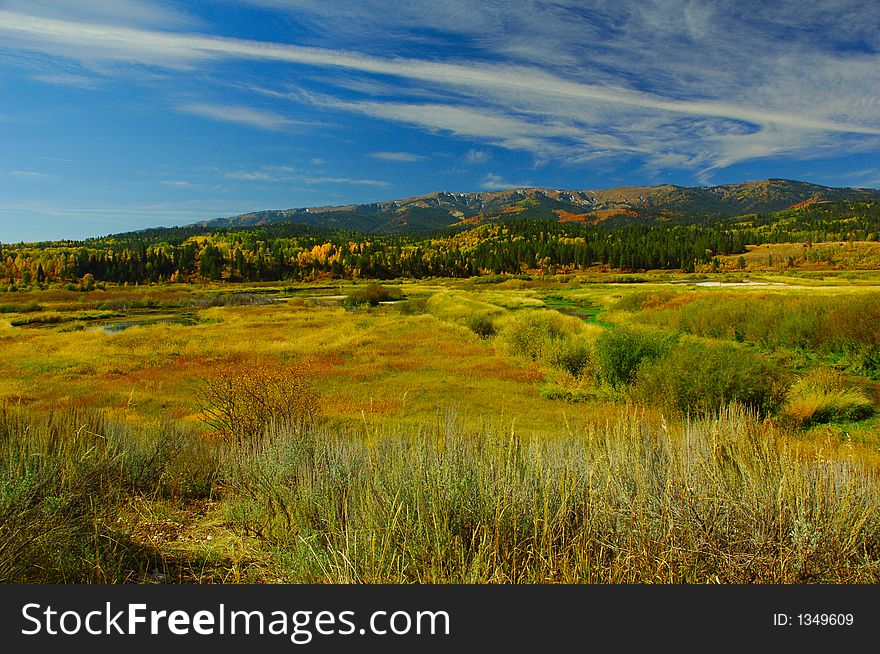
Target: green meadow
{"x": 642, "y": 428}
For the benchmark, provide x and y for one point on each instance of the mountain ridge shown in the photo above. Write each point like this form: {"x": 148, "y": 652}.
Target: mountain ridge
{"x": 446, "y": 209}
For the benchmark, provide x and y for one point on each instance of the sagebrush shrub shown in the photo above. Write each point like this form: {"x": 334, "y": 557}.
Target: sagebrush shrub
{"x": 573, "y": 354}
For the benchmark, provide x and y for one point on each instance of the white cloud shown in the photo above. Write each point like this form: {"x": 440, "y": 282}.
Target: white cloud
{"x": 157, "y": 47}
{"x": 67, "y": 79}
{"x": 493, "y": 182}
{"x": 344, "y": 180}
{"x": 397, "y": 156}
{"x": 118, "y": 12}
{"x": 248, "y": 116}
{"x": 30, "y": 175}
{"x": 288, "y": 175}
{"x": 867, "y": 177}
{"x": 476, "y": 157}
{"x": 508, "y": 131}
{"x": 265, "y": 174}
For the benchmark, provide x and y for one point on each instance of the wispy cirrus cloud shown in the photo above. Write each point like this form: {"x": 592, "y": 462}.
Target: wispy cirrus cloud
{"x": 698, "y": 86}
{"x": 291, "y": 175}
{"x": 495, "y": 126}
{"x": 158, "y": 47}
{"x": 68, "y": 79}
{"x": 397, "y": 156}
{"x": 800, "y": 77}
{"x": 265, "y": 174}
{"x": 494, "y": 182}
{"x": 249, "y": 116}
{"x": 118, "y": 12}
{"x": 33, "y": 175}
{"x": 316, "y": 181}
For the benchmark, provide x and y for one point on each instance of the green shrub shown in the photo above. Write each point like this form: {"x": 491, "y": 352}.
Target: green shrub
{"x": 527, "y": 333}
{"x": 573, "y": 354}
{"x": 372, "y": 295}
{"x": 866, "y": 360}
{"x": 490, "y": 279}
{"x": 620, "y": 352}
{"x": 45, "y": 319}
{"x": 482, "y": 325}
{"x": 693, "y": 377}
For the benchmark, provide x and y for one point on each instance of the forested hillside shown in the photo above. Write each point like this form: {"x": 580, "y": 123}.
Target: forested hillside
{"x": 289, "y": 251}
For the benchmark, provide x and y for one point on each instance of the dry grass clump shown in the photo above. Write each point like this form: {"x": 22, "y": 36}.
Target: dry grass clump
{"x": 825, "y": 395}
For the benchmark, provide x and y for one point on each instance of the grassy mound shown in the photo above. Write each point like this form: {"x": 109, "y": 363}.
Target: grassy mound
{"x": 825, "y": 396}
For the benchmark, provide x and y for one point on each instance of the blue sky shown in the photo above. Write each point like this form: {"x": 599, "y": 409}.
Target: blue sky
{"x": 124, "y": 114}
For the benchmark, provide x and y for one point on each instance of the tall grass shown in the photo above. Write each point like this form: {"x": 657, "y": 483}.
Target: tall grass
{"x": 27, "y": 307}
{"x": 720, "y": 499}
{"x": 841, "y": 324}
{"x": 456, "y": 306}
{"x": 63, "y": 481}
